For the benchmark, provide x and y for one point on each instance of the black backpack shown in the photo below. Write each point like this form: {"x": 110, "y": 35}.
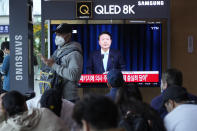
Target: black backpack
{"x": 49, "y": 78}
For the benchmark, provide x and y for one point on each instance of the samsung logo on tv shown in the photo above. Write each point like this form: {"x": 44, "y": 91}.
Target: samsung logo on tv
{"x": 151, "y": 3}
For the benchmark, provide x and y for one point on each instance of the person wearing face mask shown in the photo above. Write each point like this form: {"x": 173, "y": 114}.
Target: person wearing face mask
{"x": 71, "y": 65}
{"x": 105, "y": 59}
{"x": 6, "y": 65}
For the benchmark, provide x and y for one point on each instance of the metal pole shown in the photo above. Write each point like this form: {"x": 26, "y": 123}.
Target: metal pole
{"x": 49, "y": 41}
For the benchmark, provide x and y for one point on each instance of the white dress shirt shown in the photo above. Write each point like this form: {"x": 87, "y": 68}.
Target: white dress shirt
{"x": 105, "y": 59}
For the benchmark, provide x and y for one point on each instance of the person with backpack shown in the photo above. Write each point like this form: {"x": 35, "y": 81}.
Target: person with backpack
{"x": 66, "y": 61}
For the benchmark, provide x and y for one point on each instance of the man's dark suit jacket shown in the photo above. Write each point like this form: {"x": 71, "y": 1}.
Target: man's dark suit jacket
{"x": 95, "y": 62}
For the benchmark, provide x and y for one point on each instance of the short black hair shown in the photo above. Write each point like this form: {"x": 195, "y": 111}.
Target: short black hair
{"x": 135, "y": 122}
{"x": 52, "y": 100}
{"x": 139, "y": 116}
{"x": 115, "y": 78}
{"x": 13, "y": 102}
{"x": 105, "y": 32}
{"x": 1, "y": 56}
{"x": 173, "y": 77}
{"x": 99, "y": 111}
{"x": 5, "y": 45}
{"x": 127, "y": 93}
{"x": 3, "y": 91}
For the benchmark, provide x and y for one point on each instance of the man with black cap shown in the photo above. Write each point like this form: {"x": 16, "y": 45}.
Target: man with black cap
{"x": 170, "y": 77}
{"x": 71, "y": 64}
{"x": 182, "y": 112}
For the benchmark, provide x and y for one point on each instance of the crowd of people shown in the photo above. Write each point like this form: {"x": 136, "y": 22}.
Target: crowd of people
{"x": 122, "y": 109}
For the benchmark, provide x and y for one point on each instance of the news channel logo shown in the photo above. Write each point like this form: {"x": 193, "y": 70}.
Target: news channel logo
{"x": 84, "y": 9}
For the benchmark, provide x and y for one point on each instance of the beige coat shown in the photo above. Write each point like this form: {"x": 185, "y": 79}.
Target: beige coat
{"x": 66, "y": 112}
{"x": 34, "y": 120}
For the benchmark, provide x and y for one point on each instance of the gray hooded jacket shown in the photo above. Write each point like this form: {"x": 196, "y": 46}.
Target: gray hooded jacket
{"x": 70, "y": 69}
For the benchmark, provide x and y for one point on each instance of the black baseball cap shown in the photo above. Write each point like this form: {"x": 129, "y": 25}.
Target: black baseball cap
{"x": 174, "y": 92}
{"x": 64, "y": 28}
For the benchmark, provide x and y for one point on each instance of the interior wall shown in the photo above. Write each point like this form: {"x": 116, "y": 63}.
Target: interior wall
{"x": 183, "y": 24}
{"x": 148, "y": 93}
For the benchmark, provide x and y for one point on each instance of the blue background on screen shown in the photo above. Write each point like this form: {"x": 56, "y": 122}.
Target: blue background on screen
{"x": 139, "y": 44}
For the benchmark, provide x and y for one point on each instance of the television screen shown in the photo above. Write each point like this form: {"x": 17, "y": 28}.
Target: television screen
{"x": 140, "y": 46}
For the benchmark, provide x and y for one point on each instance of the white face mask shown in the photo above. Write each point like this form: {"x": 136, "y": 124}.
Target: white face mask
{"x": 59, "y": 41}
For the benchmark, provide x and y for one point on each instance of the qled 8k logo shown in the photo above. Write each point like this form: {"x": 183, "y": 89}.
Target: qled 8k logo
{"x": 84, "y": 9}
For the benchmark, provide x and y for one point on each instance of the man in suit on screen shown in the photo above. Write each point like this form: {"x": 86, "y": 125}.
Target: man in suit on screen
{"x": 104, "y": 60}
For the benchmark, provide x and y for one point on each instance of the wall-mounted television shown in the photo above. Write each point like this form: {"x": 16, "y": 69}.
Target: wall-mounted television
{"x": 139, "y": 44}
